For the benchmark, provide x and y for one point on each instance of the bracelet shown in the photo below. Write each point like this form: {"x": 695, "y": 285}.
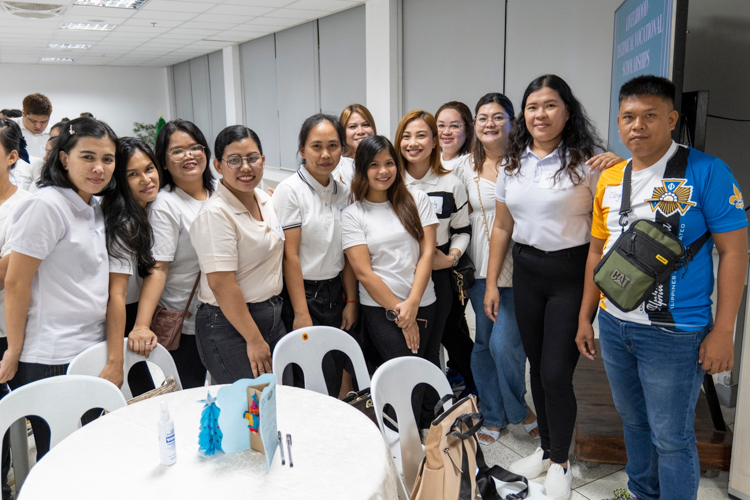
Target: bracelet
{"x": 352, "y": 301}
{"x": 138, "y": 328}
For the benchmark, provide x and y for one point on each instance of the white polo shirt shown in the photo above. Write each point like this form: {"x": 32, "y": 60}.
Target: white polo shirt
{"x": 344, "y": 171}
{"x": 455, "y": 162}
{"x": 549, "y": 214}
{"x": 301, "y": 201}
{"x": 69, "y": 292}
{"x": 170, "y": 215}
{"x": 129, "y": 267}
{"x": 450, "y": 203}
{"x": 7, "y": 209}
{"x": 35, "y": 143}
{"x": 227, "y": 238}
{"x": 394, "y": 253}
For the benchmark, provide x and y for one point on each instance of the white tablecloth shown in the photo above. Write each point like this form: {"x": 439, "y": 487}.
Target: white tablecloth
{"x": 338, "y": 454}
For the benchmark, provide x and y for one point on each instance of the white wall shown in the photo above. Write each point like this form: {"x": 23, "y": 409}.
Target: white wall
{"x": 116, "y": 95}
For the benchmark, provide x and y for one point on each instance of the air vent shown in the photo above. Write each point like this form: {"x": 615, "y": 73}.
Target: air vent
{"x": 33, "y": 10}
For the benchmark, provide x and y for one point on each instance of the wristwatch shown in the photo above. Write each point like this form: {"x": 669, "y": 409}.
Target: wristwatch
{"x": 456, "y": 257}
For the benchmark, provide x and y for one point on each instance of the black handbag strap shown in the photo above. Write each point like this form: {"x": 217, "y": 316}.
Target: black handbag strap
{"x": 486, "y": 483}
{"x": 625, "y": 210}
{"x": 474, "y": 422}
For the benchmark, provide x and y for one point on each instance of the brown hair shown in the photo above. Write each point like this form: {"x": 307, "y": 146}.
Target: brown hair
{"x": 465, "y": 113}
{"x": 436, "y": 166}
{"x": 401, "y": 199}
{"x": 347, "y": 113}
{"x": 37, "y": 104}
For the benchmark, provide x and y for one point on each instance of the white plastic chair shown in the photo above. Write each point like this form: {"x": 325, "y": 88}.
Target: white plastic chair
{"x": 61, "y": 401}
{"x": 92, "y": 361}
{"x": 307, "y": 346}
{"x": 393, "y": 384}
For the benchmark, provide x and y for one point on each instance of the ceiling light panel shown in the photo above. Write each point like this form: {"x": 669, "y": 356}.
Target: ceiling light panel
{"x": 58, "y": 59}
{"x": 116, "y": 4}
{"x": 69, "y": 46}
{"x": 88, "y": 26}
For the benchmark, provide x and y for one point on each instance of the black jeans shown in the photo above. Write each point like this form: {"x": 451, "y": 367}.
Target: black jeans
{"x": 389, "y": 340}
{"x": 457, "y": 341}
{"x": 188, "y": 361}
{"x": 223, "y": 349}
{"x": 548, "y": 289}
{"x": 139, "y": 377}
{"x": 325, "y": 303}
{"x": 26, "y": 374}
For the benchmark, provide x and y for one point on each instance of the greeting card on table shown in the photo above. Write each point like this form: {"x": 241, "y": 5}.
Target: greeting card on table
{"x": 248, "y": 415}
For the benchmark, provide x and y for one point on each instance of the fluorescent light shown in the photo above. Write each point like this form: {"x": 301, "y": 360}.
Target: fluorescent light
{"x": 69, "y": 46}
{"x": 88, "y": 26}
{"x": 58, "y": 59}
{"x": 118, "y": 4}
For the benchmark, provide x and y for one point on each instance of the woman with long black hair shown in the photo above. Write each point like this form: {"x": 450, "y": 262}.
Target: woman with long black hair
{"x": 544, "y": 198}
{"x": 129, "y": 241}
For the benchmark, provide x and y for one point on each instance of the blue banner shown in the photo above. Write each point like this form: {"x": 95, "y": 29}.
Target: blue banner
{"x": 642, "y": 46}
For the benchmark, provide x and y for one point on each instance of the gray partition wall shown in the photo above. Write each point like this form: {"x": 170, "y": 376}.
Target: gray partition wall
{"x": 452, "y": 51}
{"x": 183, "y": 92}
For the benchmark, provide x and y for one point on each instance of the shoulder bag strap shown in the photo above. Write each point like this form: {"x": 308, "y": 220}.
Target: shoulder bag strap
{"x": 481, "y": 206}
{"x": 625, "y": 202}
{"x": 192, "y": 292}
{"x": 486, "y": 483}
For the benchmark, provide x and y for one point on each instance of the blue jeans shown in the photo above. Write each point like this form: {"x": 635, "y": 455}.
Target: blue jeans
{"x": 656, "y": 379}
{"x": 498, "y": 361}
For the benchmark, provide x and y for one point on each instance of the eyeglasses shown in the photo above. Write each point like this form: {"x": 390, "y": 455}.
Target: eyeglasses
{"x": 498, "y": 119}
{"x": 392, "y": 315}
{"x": 235, "y": 161}
{"x": 453, "y": 127}
{"x": 195, "y": 151}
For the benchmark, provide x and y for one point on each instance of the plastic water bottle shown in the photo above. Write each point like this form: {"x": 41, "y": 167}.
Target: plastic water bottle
{"x": 167, "y": 449}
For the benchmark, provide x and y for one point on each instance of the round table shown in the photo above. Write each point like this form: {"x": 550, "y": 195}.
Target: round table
{"x": 338, "y": 453}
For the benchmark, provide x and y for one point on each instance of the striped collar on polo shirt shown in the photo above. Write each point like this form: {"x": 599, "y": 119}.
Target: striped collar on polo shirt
{"x": 313, "y": 184}
{"x": 429, "y": 178}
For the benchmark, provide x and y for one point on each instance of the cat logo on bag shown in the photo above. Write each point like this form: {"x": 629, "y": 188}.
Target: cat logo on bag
{"x": 619, "y": 278}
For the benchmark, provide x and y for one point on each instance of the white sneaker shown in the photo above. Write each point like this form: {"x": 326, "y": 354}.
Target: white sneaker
{"x": 558, "y": 482}
{"x": 531, "y": 466}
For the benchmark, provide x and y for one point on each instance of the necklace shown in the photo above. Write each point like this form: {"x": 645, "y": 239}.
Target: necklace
{"x": 5, "y": 196}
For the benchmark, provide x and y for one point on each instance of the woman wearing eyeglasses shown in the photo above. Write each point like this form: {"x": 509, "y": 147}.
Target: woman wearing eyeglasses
{"x": 239, "y": 317}
{"x": 320, "y": 285}
{"x": 456, "y": 132}
{"x": 182, "y": 154}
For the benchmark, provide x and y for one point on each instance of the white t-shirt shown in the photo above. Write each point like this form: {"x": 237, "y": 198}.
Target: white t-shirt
{"x": 22, "y": 174}
{"x": 549, "y": 214}
{"x": 455, "y": 162}
{"x": 301, "y": 201}
{"x": 35, "y": 143}
{"x": 394, "y": 254}
{"x": 170, "y": 215}
{"x": 7, "y": 209}
{"x": 344, "y": 171}
{"x": 479, "y": 247}
{"x": 69, "y": 292}
{"x": 129, "y": 267}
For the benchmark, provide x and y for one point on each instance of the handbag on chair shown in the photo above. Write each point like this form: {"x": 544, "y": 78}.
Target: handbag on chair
{"x": 167, "y": 325}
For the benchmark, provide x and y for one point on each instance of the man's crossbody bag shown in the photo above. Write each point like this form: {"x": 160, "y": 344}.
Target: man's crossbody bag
{"x": 642, "y": 258}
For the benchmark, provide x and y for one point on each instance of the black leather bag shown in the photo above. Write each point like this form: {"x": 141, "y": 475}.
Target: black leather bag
{"x": 462, "y": 276}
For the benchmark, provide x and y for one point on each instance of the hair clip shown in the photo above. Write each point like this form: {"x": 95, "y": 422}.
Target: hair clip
{"x": 72, "y": 132}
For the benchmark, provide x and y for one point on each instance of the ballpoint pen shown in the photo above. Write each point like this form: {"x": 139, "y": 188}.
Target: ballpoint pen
{"x": 281, "y": 449}
{"x": 289, "y": 448}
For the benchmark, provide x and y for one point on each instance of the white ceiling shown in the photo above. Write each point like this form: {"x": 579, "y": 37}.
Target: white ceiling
{"x": 183, "y": 29}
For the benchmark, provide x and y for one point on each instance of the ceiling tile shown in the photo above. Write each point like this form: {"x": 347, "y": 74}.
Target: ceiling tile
{"x": 269, "y": 24}
{"x": 161, "y": 23}
{"x": 156, "y": 15}
{"x": 328, "y": 5}
{"x": 176, "y": 6}
{"x": 260, "y": 3}
{"x": 99, "y": 12}
{"x": 240, "y": 10}
{"x": 200, "y": 25}
{"x": 287, "y": 13}
{"x": 192, "y": 32}
{"x": 222, "y": 18}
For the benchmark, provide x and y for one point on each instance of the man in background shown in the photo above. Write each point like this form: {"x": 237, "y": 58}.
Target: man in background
{"x": 37, "y": 109}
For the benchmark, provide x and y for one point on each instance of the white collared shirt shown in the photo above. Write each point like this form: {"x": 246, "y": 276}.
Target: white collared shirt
{"x": 394, "y": 253}
{"x": 170, "y": 215}
{"x": 344, "y": 171}
{"x": 7, "y": 209}
{"x": 69, "y": 292}
{"x": 301, "y": 201}
{"x": 550, "y": 213}
{"x": 450, "y": 203}
{"x": 227, "y": 238}
{"x": 35, "y": 143}
{"x": 457, "y": 161}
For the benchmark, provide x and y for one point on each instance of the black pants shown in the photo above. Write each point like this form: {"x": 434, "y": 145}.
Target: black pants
{"x": 188, "y": 362}
{"x": 390, "y": 343}
{"x": 5, "y": 457}
{"x": 325, "y": 303}
{"x": 457, "y": 341}
{"x": 548, "y": 289}
{"x": 139, "y": 377}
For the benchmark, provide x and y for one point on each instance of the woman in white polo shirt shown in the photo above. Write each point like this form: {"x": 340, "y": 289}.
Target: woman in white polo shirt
{"x": 544, "y": 200}
{"x": 456, "y": 133}
{"x": 129, "y": 242}
{"x": 183, "y": 155}
{"x": 320, "y": 285}
{"x": 240, "y": 246}
{"x": 389, "y": 237}
{"x": 417, "y": 140}
{"x": 358, "y": 123}
{"x": 56, "y": 287}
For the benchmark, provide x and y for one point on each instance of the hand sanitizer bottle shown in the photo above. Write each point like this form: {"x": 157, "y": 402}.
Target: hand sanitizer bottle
{"x": 167, "y": 449}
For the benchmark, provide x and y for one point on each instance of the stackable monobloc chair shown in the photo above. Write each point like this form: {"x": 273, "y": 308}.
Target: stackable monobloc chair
{"x": 306, "y": 348}
{"x": 92, "y": 362}
{"x": 61, "y": 401}
{"x": 393, "y": 384}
